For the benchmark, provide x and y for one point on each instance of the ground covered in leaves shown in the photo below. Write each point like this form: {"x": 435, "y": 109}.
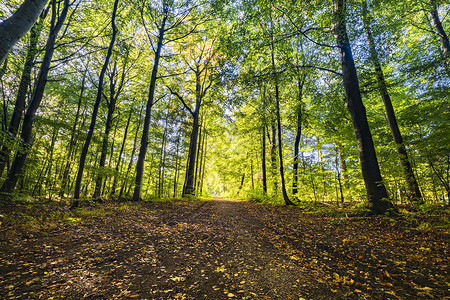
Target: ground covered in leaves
{"x": 218, "y": 249}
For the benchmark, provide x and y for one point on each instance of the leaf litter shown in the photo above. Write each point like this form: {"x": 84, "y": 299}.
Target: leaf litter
{"x": 216, "y": 250}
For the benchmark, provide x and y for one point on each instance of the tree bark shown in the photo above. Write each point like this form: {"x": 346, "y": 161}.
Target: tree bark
{"x": 263, "y": 154}
{"x": 414, "y": 193}
{"x": 175, "y": 177}
{"x": 287, "y": 201}
{"x": 111, "y": 107}
{"x": 189, "y": 187}
{"x": 98, "y": 99}
{"x": 130, "y": 163}
{"x": 162, "y": 158}
{"x": 119, "y": 159}
{"x": 19, "y": 160}
{"x": 440, "y": 30}
{"x": 263, "y": 159}
{"x": 148, "y": 111}
{"x": 273, "y": 157}
{"x": 16, "y": 26}
{"x": 70, "y": 150}
{"x": 376, "y": 191}
{"x": 298, "y": 135}
{"x": 25, "y": 81}
{"x": 201, "y": 159}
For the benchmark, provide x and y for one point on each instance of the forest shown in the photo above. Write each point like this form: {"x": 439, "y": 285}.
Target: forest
{"x": 250, "y": 149}
{"x": 282, "y": 102}
{"x": 319, "y": 101}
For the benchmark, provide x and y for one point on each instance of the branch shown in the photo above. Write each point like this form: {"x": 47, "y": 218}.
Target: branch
{"x": 173, "y": 75}
{"x": 181, "y": 99}
{"x": 320, "y": 68}
{"x": 160, "y": 98}
{"x": 304, "y": 32}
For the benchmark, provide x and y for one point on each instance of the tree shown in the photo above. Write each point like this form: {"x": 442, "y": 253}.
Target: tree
{"x": 376, "y": 191}
{"x": 440, "y": 29}
{"x": 85, "y": 149}
{"x": 200, "y": 64}
{"x": 16, "y": 26}
{"x": 22, "y": 92}
{"x": 413, "y": 188}
{"x": 170, "y": 20}
{"x": 27, "y": 126}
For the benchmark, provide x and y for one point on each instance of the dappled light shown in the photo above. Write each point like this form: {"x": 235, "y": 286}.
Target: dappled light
{"x": 187, "y": 149}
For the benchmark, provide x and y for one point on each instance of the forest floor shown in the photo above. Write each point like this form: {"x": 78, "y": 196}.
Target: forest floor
{"x": 218, "y": 249}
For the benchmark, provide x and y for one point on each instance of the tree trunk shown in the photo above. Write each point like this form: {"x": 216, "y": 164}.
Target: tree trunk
{"x": 263, "y": 154}
{"x": 287, "y": 201}
{"x": 162, "y": 158}
{"x": 25, "y": 81}
{"x": 376, "y": 191}
{"x": 440, "y": 30}
{"x": 273, "y": 156}
{"x": 148, "y": 111}
{"x": 201, "y": 159}
{"x": 19, "y": 160}
{"x": 263, "y": 159}
{"x": 70, "y": 150}
{"x": 204, "y": 162}
{"x": 342, "y": 163}
{"x": 298, "y": 136}
{"x": 338, "y": 171}
{"x": 189, "y": 187}
{"x": 414, "y": 194}
{"x": 130, "y": 163}
{"x": 111, "y": 107}
{"x": 119, "y": 159}
{"x": 16, "y": 26}
{"x": 85, "y": 149}
{"x": 175, "y": 177}
{"x": 199, "y": 148}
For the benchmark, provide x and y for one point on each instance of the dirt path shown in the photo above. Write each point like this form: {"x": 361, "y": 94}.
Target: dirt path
{"x": 220, "y": 250}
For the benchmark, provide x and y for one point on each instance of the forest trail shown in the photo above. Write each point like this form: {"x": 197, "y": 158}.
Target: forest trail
{"x": 218, "y": 249}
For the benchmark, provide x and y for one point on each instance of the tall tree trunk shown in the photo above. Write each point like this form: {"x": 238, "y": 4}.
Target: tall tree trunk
{"x": 148, "y": 111}
{"x": 25, "y": 81}
{"x": 119, "y": 159}
{"x": 440, "y": 30}
{"x": 125, "y": 187}
{"x": 263, "y": 154}
{"x": 111, "y": 107}
{"x": 204, "y": 162}
{"x": 298, "y": 135}
{"x": 273, "y": 157}
{"x": 70, "y": 150}
{"x": 201, "y": 159}
{"x": 287, "y": 201}
{"x": 376, "y": 191}
{"x": 263, "y": 158}
{"x": 175, "y": 177}
{"x": 338, "y": 171}
{"x": 199, "y": 148}
{"x": 19, "y": 160}
{"x": 16, "y": 26}
{"x": 98, "y": 99}
{"x": 162, "y": 158}
{"x": 189, "y": 187}
{"x": 342, "y": 163}
{"x": 414, "y": 194}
